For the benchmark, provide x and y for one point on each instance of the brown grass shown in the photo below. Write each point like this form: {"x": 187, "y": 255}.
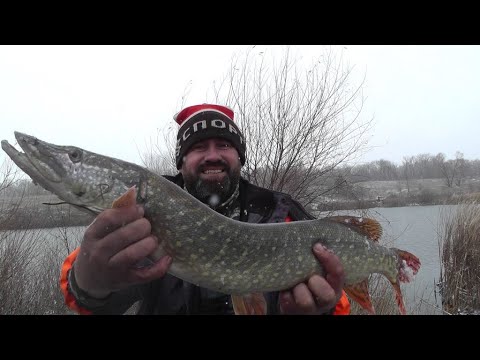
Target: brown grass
{"x": 30, "y": 272}
{"x": 30, "y": 261}
{"x": 460, "y": 259}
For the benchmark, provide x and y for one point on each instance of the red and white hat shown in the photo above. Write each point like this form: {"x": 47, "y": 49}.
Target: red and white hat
{"x": 200, "y": 122}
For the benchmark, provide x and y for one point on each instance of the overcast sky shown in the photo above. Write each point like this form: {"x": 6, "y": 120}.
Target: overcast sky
{"x": 113, "y": 99}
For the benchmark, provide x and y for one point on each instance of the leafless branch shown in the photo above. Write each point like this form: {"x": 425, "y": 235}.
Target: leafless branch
{"x": 299, "y": 123}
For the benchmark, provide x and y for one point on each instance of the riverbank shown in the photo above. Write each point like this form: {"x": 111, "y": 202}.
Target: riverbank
{"x": 424, "y": 192}
{"x": 32, "y": 212}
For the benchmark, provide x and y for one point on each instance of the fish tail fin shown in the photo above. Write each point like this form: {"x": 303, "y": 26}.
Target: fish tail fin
{"x": 409, "y": 265}
{"x": 249, "y": 304}
{"x": 359, "y": 293}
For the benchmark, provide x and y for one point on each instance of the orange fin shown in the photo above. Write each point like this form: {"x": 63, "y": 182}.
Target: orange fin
{"x": 409, "y": 265}
{"x": 399, "y": 298}
{"x": 369, "y": 227}
{"x": 250, "y": 304}
{"x": 408, "y": 268}
{"x": 129, "y": 198}
{"x": 359, "y": 293}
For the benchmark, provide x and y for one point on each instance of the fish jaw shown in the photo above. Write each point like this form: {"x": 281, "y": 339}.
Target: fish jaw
{"x": 77, "y": 176}
{"x": 46, "y": 158}
{"x": 23, "y": 161}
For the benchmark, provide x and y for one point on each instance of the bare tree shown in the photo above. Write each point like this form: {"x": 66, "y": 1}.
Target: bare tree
{"x": 386, "y": 169}
{"x": 452, "y": 170}
{"x": 408, "y": 170}
{"x": 8, "y": 175}
{"x": 460, "y": 166}
{"x": 11, "y": 197}
{"x": 299, "y": 124}
{"x": 161, "y": 159}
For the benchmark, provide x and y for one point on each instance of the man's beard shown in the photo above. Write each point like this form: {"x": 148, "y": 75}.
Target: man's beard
{"x": 212, "y": 193}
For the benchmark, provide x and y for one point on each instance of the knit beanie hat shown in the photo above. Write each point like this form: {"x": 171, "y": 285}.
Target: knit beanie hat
{"x": 200, "y": 122}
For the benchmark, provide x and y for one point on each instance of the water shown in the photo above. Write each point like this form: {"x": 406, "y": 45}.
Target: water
{"x": 414, "y": 229}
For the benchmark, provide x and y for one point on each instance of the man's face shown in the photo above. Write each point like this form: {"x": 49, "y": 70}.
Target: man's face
{"x": 211, "y": 170}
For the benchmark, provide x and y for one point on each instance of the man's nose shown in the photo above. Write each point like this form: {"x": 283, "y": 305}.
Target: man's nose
{"x": 212, "y": 154}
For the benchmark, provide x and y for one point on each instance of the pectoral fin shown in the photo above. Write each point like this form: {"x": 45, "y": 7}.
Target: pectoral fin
{"x": 359, "y": 293}
{"x": 250, "y": 304}
{"x": 129, "y": 198}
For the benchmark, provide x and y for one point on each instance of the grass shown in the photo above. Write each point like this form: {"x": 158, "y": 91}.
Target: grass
{"x": 30, "y": 262}
{"x": 30, "y": 272}
{"x": 460, "y": 260}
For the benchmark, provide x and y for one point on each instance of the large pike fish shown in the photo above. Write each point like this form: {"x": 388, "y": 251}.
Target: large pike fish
{"x": 209, "y": 249}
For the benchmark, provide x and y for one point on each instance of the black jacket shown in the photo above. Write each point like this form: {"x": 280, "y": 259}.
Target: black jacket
{"x": 171, "y": 295}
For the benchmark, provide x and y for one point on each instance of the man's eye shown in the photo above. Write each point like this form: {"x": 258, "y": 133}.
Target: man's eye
{"x": 198, "y": 147}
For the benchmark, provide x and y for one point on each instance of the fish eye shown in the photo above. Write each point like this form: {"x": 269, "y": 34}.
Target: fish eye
{"x": 75, "y": 155}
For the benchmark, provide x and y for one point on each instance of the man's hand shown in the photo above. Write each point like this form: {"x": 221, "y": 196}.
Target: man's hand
{"x": 318, "y": 294}
{"x": 112, "y": 245}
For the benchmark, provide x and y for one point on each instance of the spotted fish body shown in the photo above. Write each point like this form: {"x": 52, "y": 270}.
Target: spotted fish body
{"x": 208, "y": 249}
{"x": 234, "y": 257}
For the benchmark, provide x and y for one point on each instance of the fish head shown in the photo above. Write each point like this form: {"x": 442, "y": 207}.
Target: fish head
{"x": 77, "y": 176}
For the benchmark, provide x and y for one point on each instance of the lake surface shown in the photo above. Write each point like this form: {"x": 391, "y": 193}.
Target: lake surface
{"x": 414, "y": 229}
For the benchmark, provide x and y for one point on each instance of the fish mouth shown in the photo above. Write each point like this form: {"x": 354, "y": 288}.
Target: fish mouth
{"x": 42, "y": 162}
{"x": 38, "y": 159}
